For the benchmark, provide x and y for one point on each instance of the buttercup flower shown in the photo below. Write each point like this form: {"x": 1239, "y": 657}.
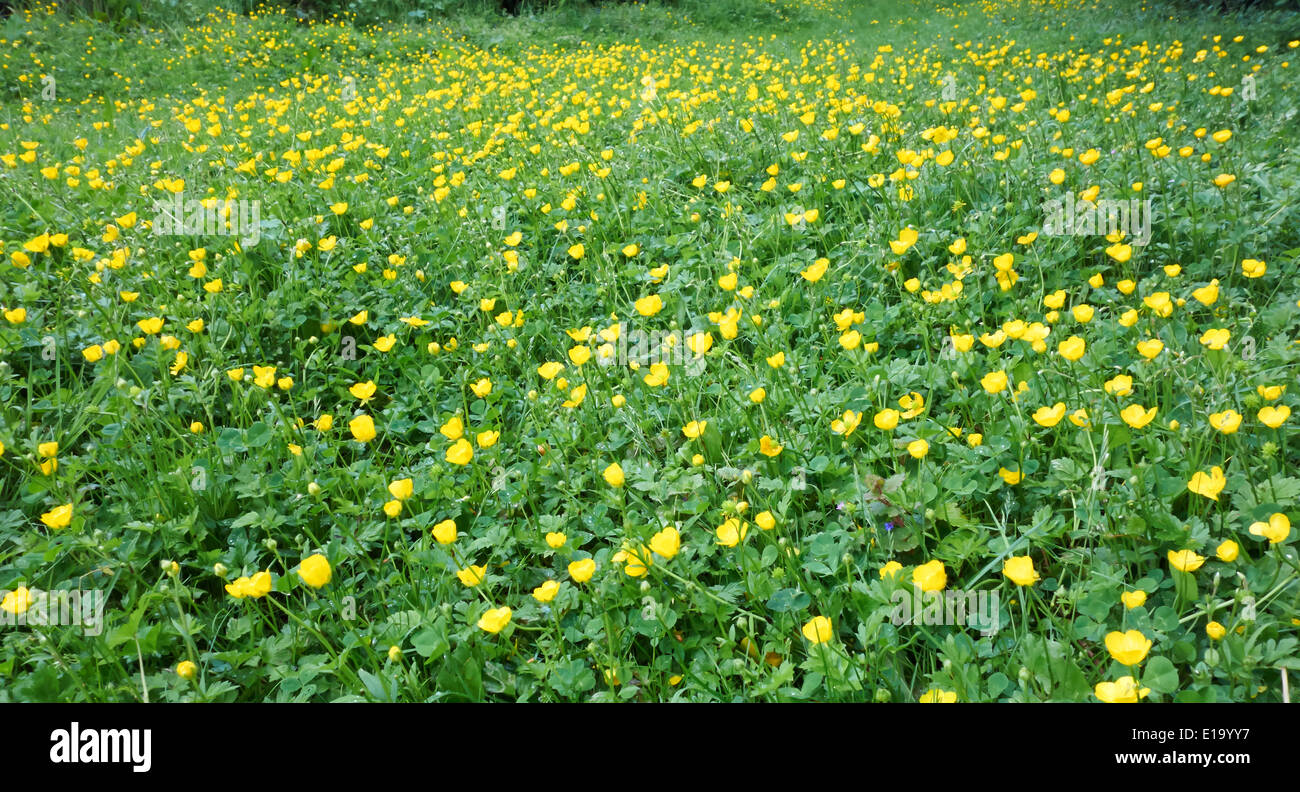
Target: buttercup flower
{"x": 495, "y": 620}
{"x": 666, "y": 542}
{"x": 930, "y": 576}
{"x": 1185, "y": 560}
{"x": 1208, "y": 484}
{"x": 1128, "y": 648}
{"x": 1020, "y": 570}
{"x": 1133, "y": 599}
{"x": 581, "y": 571}
{"x": 937, "y": 696}
{"x": 1276, "y": 530}
{"x": 1122, "y": 691}
{"x": 315, "y": 570}
{"x": 818, "y": 630}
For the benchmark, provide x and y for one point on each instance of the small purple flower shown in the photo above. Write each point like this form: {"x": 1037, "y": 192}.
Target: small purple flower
{"x": 889, "y": 526}
{"x": 839, "y": 506}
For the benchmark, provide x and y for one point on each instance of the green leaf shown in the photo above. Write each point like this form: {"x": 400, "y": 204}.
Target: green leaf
{"x": 1160, "y": 675}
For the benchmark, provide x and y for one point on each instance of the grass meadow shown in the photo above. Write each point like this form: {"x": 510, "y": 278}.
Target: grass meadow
{"x": 754, "y": 351}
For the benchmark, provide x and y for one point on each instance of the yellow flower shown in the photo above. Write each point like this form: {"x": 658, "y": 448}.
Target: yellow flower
{"x": 453, "y": 429}
{"x": 1253, "y": 268}
{"x": 315, "y": 570}
{"x": 488, "y": 438}
{"x": 472, "y": 575}
{"x": 847, "y": 423}
{"x": 818, "y": 630}
{"x": 482, "y": 388}
{"x": 1137, "y": 416}
{"x": 460, "y": 453}
{"x": 1122, "y": 691}
{"x": 1012, "y": 477}
{"x": 258, "y": 586}
{"x": 1121, "y": 385}
{"x": 58, "y": 517}
{"x": 495, "y": 620}
{"x": 548, "y": 371}
{"x": 1270, "y": 392}
{"x": 1215, "y": 630}
{"x": 731, "y": 532}
{"x": 1072, "y": 348}
{"x": 1020, "y": 570}
{"x": 890, "y": 569}
{"x": 614, "y": 475}
{"x": 151, "y": 326}
{"x": 402, "y": 488}
{"x": 1207, "y": 295}
{"x": 547, "y": 591}
{"x": 994, "y": 381}
{"x": 445, "y": 532}
{"x": 906, "y": 238}
{"x": 777, "y": 360}
{"x": 1185, "y": 560}
{"x": 264, "y": 376}
{"x": 1208, "y": 484}
{"x": 1215, "y": 338}
{"x": 918, "y": 449}
{"x": 581, "y": 571}
{"x": 1133, "y": 599}
{"x": 186, "y": 669}
{"x": 765, "y": 520}
{"x": 638, "y": 562}
{"x": 1150, "y": 347}
{"x": 385, "y": 343}
{"x": 1226, "y": 422}
{"x": 1050, "y": 416}
{"x": 937, "y": 696}
{"x": 815, "y": 272}
{"x": 700, "y": 343}
{"x": 48, "y": 450}
{"x": 694, "y": 429}
{"x": 17, "y": 601}
{"x": 1128, "y": 648}
{"x": 362, "y": 428}
{"x": 930, "y": 576}
{"x": 1273, "y": 417}
{"x": 1227, "y": 552}
{"x": 757, "y": 395}
{"x": 658, "y": 375}
{"x": 1276, "y": 530}
{"x": 769, "y": 447}
{"x": 579, "y": 354}
{"x": 886, "y": 419}
{"x": 913, "y": 404}
{"x": 649, "y": 306}
{"x": 667, "y": 542}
